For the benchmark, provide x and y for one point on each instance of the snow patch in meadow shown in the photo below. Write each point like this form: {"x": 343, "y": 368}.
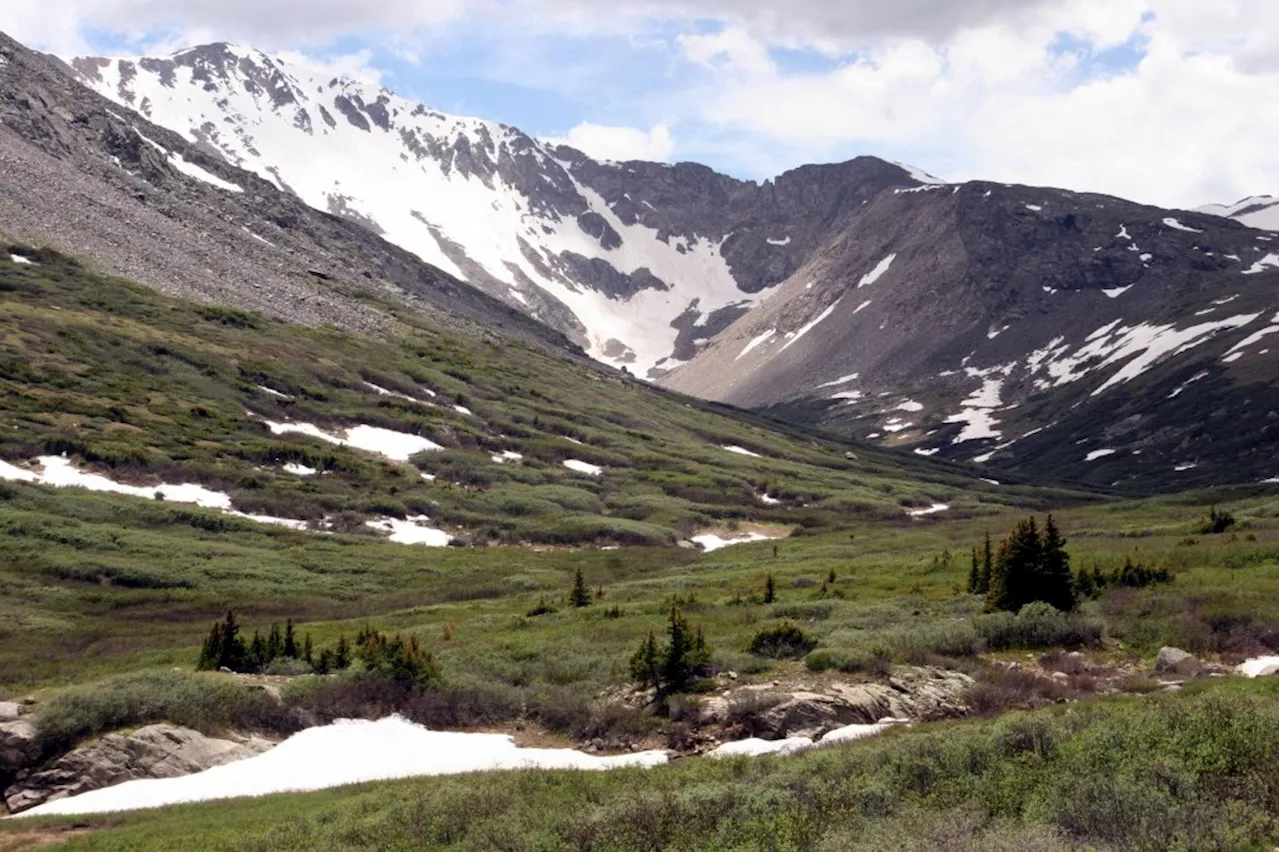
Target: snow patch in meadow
{"x": 291, "y": 523}
{"x": 742, "y": 451}
{"x": 1236, "y": 351}
{"x": 411, "y": 531}
{"x": 711, "y": 541}
{"x": 374, "y": 439}
{"x": 929, "y": 510}
{"x": 583, "y": 467}
{"x": 880, "y": 269}
{"x": 17, "y": 258}
{"x": 769, "y": 501}
{"x": 754, "y": 747}
{"x": 507, "y": 455}
{"x": 1259, "y": 667}
{"x": 273, "y": 392}
{"x": 349, "y": 751}
{"x": 381, "y": 391}
{"x": 58, "y": 471}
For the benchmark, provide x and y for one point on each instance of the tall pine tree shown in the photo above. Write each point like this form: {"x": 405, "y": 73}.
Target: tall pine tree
{"x": 1055, "y": 585}
{"x": 580, "y": 595}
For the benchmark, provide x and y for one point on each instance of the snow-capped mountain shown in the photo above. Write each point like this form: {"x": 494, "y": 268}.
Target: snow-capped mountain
{"x": 1014, "y": 327}
{"x": 634, "y": 261}
{"x": 1256, "y": 211}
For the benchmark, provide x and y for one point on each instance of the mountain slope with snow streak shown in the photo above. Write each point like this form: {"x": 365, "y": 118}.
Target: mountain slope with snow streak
{"x": 634, "y": 270}
{"x": 1256, "y": 211}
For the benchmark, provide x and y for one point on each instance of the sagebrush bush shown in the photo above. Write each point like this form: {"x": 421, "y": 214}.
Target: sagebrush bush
{"x": 782, "y": 640}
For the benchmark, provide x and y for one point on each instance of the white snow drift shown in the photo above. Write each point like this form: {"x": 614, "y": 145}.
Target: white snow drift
{"x": 346, "y": 752}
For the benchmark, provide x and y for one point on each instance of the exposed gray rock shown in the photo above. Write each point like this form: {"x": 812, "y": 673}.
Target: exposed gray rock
{"x": 155, "y": 751}
{"x": 18, "y": 746}
{"x": 1176, "y": 660}
{"x": 9, "y": 710}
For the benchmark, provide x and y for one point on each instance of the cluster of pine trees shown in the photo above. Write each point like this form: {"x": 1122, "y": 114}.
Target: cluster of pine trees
{"x": 1029, "y": 565}
{"x": 402, "y": 660}
{"x": 675, "y": 666}
{"x": 1090, "y": 583}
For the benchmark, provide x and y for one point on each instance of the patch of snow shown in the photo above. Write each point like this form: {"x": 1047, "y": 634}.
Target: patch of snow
{"x": 291, "y": 523}
{"x": 411, "y": 530}
{"x": 1178, "y": 226}
{"x": 742, "y": 451}
{"x": 1097, "y": 454}
{"x": 348, "y": 751}
{"x": 769, "y": 501}
{"x": 809, "y": 326}
{"x": 710, "y": 541}
{"x": 782, "y": 242}
{"x": 462, "y": 409}
{"x": 754, "y": 747}
{"x": 895, "y": 424}
{"x": 840, "y": 381}
{"x": 1033, "y": 207}
{"x": 381, "y": 391}
{"x": 849, "y": 733}
{"x": 1264, "y": 212}
{"x": 1179, "y": 468}
{"x": 1235, "y": 352}
{"x": 989, "y": 481}
{"x": 910, "y": 405}
{"x": 936, "y": 507}
{"x": 272, "y": 392}
{"x": 583, "y": 467}
{"x": 921, "y": 452}
{"x": 976, "y": 415}
{"x": 299, "y": 469}
{"x": 17, "y": 258}
{"x": 507, "y": 455}
{"x": 1261, "y": 265}
{"x": 880, "y": 269}
{"x": 918, "y": 174}
{"x": 860, "y": 307}
{"x": 1197, "y": 377}
{"x": 1123, "y": 234}
{"x": 374, "y": 439}
{"x": 992, "y": 335}
{"x": 256, "y": 237}
{"x": 756, "y": 341}
{"x": 1259, "y": 667}
{"x": 849, "y": 395}
{"x": 58, "y": 471}
{"x": 1116, "y": 292}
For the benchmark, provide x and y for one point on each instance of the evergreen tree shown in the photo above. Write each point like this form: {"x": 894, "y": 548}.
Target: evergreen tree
{"x": 211, "y": 651}
{"x": 290, "y": 647}
{"x": 645, "y": 669}
{"x": 307, "y": 650}
{"x": 580, "y": 595}
{"x": 257, "y": 652}
{"x": 231, "y": 651}
{"x": 275, "y": 644}
{"x": 831, "y": 577}
{"x": 1017, "y": 562}
{"x": 1084, "y": 584}
{"x": 1054, "y": 585}
{"x": 975, "y": 573}
{"x": 984, "y": 576}
{"x": 342, "y": 657}
{"x": 770, "y": 589}
{"x": 324, "y": 663}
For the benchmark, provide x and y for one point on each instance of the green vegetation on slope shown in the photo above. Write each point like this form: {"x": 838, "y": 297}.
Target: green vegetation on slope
{"x": 1175, "y": 772}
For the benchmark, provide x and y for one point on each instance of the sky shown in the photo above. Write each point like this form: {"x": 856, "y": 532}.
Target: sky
{"x": 1169, "y": 102}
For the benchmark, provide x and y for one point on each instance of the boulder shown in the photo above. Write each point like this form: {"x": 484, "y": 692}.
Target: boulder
{"x": 155, "y": 751}
{"x": 9, "y": 710}
{"x": 18, "y": 746}
{"x": 1177, "y": 661}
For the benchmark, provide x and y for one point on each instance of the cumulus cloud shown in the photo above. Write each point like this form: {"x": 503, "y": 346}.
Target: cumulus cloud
{"x": 612, "y": 142}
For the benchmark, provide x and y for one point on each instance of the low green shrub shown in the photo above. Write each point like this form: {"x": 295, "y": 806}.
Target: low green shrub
{"x": 782, "y": 640}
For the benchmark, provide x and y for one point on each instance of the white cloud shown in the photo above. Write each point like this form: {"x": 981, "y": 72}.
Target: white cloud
{"x": 356, "y": 66}
{"x": 732, "y": 47}
{"x": 612, "y": 142}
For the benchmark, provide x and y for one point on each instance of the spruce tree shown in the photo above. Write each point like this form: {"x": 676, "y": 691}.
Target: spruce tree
{"x": 644, "y": 662}
{"x": 984, "y": 575}
{"x": 770, "y": 589}
{"x": 231, "y": 651}
{"x": 1055, "y": 585}
{"x": 580, "y": 595}
{"x": 275, "y": 644}
{"x": 975, "y": 573}
{"x": 211, "y": 651}
{"x": 342, "y": 657}
{"x": 257, "y": 652}
{"x": 290, "y": 647}
{"x": 1013, "y": 577}
{"x": 307, "y": 651}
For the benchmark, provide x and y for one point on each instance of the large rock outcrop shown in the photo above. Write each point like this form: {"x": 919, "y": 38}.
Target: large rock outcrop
{"x": 155, "y": 751}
